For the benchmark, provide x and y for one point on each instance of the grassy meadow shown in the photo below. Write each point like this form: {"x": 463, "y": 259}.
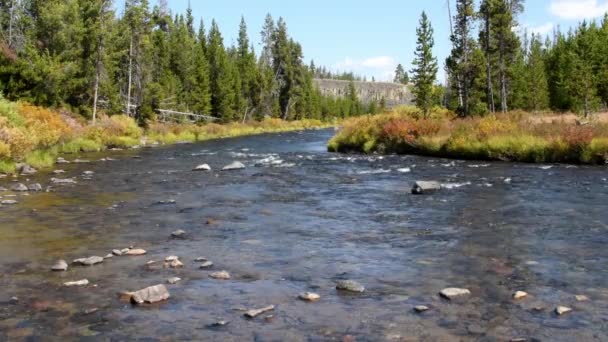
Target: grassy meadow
{"x": 515, "y": 136}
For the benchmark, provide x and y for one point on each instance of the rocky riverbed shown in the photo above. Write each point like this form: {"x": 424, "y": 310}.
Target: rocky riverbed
{"x": 270, "y": 238}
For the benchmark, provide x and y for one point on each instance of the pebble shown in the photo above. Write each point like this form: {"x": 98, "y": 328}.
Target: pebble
{"x": 90, "y": 311}
{"x": 562, "y": 310}
{"x": 174, "y": 280}
{"x": 221, "y": 275}
{"x": 350, "y": 285}
{"x": 83, "y": 282}
{"x": 452, "y": 293}
{"x": 256, "y": 312}
{"x": 581, "y": 298}
{"x": 178, "y": 233}
{"x": 136, "y": 252}
{"x": 60, "y": 266}
{"x": 207, "y": 264}
{"x": 421, "y": 308}
{"x": 309, "y": 296}
{"x": 520, "y": 295}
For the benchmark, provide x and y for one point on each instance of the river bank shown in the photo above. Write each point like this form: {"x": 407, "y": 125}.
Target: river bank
{"x": 515, "y": 136}
{"x": 34, "y": 137}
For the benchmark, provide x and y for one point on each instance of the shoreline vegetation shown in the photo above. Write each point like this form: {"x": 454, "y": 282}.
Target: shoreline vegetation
{"x": 515, "y": 136}
{"x": 37, "y": 136}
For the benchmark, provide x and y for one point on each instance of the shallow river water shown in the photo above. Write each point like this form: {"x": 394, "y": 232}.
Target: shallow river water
{"x": 281, "y": 228}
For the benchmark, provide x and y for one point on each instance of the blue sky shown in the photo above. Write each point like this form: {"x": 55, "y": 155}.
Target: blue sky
{"x": 368, "y": 37}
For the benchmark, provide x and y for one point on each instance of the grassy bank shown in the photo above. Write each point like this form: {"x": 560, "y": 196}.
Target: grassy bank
{"x": 37, "y": 136}
{"x": 515, "y": 136}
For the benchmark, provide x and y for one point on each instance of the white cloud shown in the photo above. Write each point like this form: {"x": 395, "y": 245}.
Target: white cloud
{"x": 542, "y": 30}
{"x": 578, "y": 9}
{"x": 380, "y": 67}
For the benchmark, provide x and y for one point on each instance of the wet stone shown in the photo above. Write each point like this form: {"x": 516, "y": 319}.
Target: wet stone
{"x": 171, "y": 258}
{"x": 90, "y": 261}
{"x": 136, "y": 252}
{"x": 234, "y": 166}
{"x": 174, "y": 280}
{"x": 206, "y": 264}
{"x": 19, "y": 187}
{"x": 117, "y": 252}
{"x": 350, "y": 286}
{"x": 109, "y": 256}
{"x": 309, "y": 297}
{"x": 256, "y": 312}
{"x": 453, "y": 293}
{"x": 83, "y": 282}
{"x": 167, "y": 202}
{"x": 581, "y": 298}
{"x": 218, "y": 324}
{"x": 421, "y": 308}
{"x": 425, "y": 187}
{"x": 90, "y": 311}
{"x": 178, "y": 234}
{"x": 60, "y": 266}
{"x": 13, "y": 300}
{"x": 62, "y": 181}
{"x": 221, "y": 275}
{"x": 8, "y": 202}
{"x": 58, "y": 172}
{"x": 520, "y": 295}
{"x": 153, "y": 294}
{"x": 562, "y": 310}
{"x": 201, "y": 259}
{"x": 174, "y": 264}
{"x": 35, "y": 187}
{"x": 202, "y": 167}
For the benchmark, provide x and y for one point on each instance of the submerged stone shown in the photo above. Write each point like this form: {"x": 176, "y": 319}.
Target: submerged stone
{"x": 35, "y": 187}
{"x": 562, "y": 310}
{"x": 19, "y": 187}
{"x": 8, "y": 202}
{"x": 174, "y": 280}
{"x": 221, "y": 275}
{"x": 421, "y": 308}
{"x": 136, "y": 252}
{"x": 90, "y": 261}
{"x": 178, "y": 234}
{"x": 256, "y": 312}
{"x": 581, "y": 298}
{"x": 206, "y": 264}
{"x": 350, "y": 285}
{"x": 83, "y": 282}
{"x": 309, "y": 296}
{"x": 202, "y": 167}
{"x": 520, "y": 295}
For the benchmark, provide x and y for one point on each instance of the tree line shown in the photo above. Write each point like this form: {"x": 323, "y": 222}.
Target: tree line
{"x": 493, "y": 67}
{"x": 80, "y": 54}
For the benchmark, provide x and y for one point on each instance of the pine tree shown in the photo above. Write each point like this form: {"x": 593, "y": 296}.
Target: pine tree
{"x": 401, "y": 75}
{"x": 221, "y": 76}
{"x": 538, "y": 88}
{"x": 425, "y": 66}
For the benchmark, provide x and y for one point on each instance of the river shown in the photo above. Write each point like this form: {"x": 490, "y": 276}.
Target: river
{"x": 301, "y": 224}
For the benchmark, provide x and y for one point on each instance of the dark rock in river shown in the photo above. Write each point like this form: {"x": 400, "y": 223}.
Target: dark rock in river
{"x": 153, "y": 294}
{"x": 25, "y": 169}
{"x": 60, "y": 266}
{"x": 424, "y": 187}
{"x": 350, "y": 286}
{"x": 234, "y": 166}
{"x": 35, "y": 187}
{"x": 19, "y": 187}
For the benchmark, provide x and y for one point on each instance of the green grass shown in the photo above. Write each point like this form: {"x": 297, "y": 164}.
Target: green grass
{"x": 7, "y": 167}
{"x": 81, "y": 145}
{"x": 42, "y": 159}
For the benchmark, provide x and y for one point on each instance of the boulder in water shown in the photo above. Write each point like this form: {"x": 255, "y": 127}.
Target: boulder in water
{"x": 136, "y": 252}
{"x": 178, "y": 234}
{"x": 520, "y": 295}
{"x": 174, "y": 280}
{"x": 153, "y": 294}
{"x": 453, "y": 293}
{"x": 309, "y": 297}
{"x": 19, "y": 187}
{"x": 256, "y": 312}
{"x": 234, "y": 166}
{"x": 60, "y": 266}
{"x": 425, "y": 187}
{"x": 35, "y": 187}
{"x": 206, "y": 264}
{"x": 202, "y": 167}
{"x": 90, "y": 261}
{"x": 62, "y": 181}
{"x": 83, "y": 282}
{"x": 8, "y": 202}
{"x": 562, "y": 310}
{"x": 221, "y": 275}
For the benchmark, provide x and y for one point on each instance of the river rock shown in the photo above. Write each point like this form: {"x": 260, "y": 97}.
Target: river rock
{"x": 13, "y": 300}
{"x": 19, "y": 187}
{"x": 201, "y": 259}
{"x": 453, "y": 293}
{"x": 421, "y": 308}
{"x": 153, "y": 294}
{"x": 109, "y": 256}
{"x": 36, "y": 187}
{"x": 202, "y": 167}
{"x": 117, "y": 252}
{"x": 88, "y": 173}
{"x": 350, "y": 285}
{"x": 562, "y": 310}
{"x": 25, "y": 169}
{"x": 425, "y": 187}
{"x": 90, "y": 261}
{"x": 58, "y": 172}
{"x": 309, "y": 297}
{"x": 136, "y": 252}
{"x": 581, "y": 298}
{"x": 234, "y": 166}
{"x": 520, "y": 295}
{"x": 63, "y": 181}
{"x": 206, "y": 264}
{"x": 256, "y": 312}
{"x": 62, "y": 160}
{"x": 221, "y": 275}
{"x": 174, "y": 280}
{"x": 174, "y": 264}
{"x": 83, "y": 282}
{"x": 60, "y": 266}
{"x": 171, "y": 258}
{"x": 178, "y": 234}
{"x": 8, "y": 202}
{"x": 220, "y": 323}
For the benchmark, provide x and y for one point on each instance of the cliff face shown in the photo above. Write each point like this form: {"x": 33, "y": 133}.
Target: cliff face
{"x": 394, "y": 94}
